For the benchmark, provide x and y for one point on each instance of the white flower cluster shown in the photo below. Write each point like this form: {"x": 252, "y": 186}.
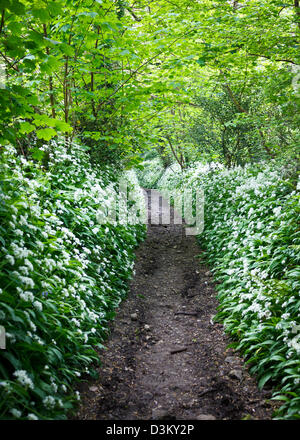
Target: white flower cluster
{"x": 250, "y": 235}
{"x": 63, "y": 270}
{"x": 23, "y": 378}
{"x": 49, "y": 402}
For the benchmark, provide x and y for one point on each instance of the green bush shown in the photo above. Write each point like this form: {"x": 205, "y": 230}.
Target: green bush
{"x": 252, "y": 241}
{"x": 62, "y": 275}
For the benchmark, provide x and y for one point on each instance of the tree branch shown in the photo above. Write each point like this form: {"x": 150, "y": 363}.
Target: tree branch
{"x": 242, "y": 110}
{"x": 187, "y": 103}
{"x": 173, "y": 151}
{"x": 11, "y": 65}
{"x": 145, "y": 63}
{"x": 132, "y": 13}
{"x": 297, "y": 7}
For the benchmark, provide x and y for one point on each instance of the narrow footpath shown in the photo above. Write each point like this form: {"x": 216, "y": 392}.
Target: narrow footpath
{"x": 165, "y": 357}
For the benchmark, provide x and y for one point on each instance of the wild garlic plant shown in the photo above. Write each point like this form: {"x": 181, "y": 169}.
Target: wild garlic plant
{"x": 62, "y": 276}
{"x": 252, "y": 241}
{"x": 150, "y": 172}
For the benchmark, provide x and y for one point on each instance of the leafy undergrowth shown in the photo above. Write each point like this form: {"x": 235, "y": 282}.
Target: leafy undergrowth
{"x": 62, "y": 275}
{"x": 151, "y": 172}
{"x": 252, "y": 240}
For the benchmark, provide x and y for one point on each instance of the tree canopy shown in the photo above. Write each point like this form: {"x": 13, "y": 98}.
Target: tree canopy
{"x": 206, "y": 79}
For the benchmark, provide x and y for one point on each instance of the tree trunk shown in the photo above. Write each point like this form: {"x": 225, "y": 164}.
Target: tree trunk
{"x": 50, "y": 79}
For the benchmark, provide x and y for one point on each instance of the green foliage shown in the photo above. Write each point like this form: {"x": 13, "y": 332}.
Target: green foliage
{"x": 220, "y": 130}
{"x": 62, "y": 276}
{"x": 150, "y": 172}
{"x": 242, "y": 123}
{"x": 125, "y": 75}
{"x": 251, "y": 237}
{"x": 210, "y": 81}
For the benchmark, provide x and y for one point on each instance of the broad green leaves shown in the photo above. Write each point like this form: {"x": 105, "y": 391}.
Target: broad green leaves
{"x": 52, "y": 328}
{"x": 26, "y": 127}
{"x": 87, "y": 61}
{"x": 45, "y": 133}
{"x": 250, "y": 223}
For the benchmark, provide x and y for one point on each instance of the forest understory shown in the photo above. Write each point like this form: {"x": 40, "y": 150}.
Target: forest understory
{"x": 165, "y": 359}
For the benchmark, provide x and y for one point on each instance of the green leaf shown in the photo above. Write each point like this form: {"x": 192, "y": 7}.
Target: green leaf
{"x": 41, "y": 14}
{"x": 201, "y": 61}
{"x": 14, "y": 6}
{"x": 63, "y": 126}
{"x": 12, "y": 359}
{"x": 46, "y": 133}
{"x": 37, "y": 154}
{"x": 50, "y": 65}
{"x": 67, "y": 49}
{"x": 53, "y": 42}
{"x": 264, "y": 379}
{"x": 88, "y": 14}
{"x": 26, "y": 127}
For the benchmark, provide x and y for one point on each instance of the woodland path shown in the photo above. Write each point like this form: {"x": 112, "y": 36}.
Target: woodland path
{"x": 165, "y": 358}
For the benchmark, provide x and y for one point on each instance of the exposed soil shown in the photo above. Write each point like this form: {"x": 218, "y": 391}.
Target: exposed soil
{"x": 165, "y": 358}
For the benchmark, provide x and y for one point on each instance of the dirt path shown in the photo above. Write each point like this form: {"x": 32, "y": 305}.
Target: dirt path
{"x": 165, "y": 359}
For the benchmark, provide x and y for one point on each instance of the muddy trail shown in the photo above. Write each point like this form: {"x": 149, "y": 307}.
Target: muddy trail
{"x": 165, "y": 358}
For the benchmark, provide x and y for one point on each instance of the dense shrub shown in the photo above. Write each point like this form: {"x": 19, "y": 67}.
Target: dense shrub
{"x": 252, "y": 240}
{"x": 150, "y": 173}
{"x": 62, "y": 275}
